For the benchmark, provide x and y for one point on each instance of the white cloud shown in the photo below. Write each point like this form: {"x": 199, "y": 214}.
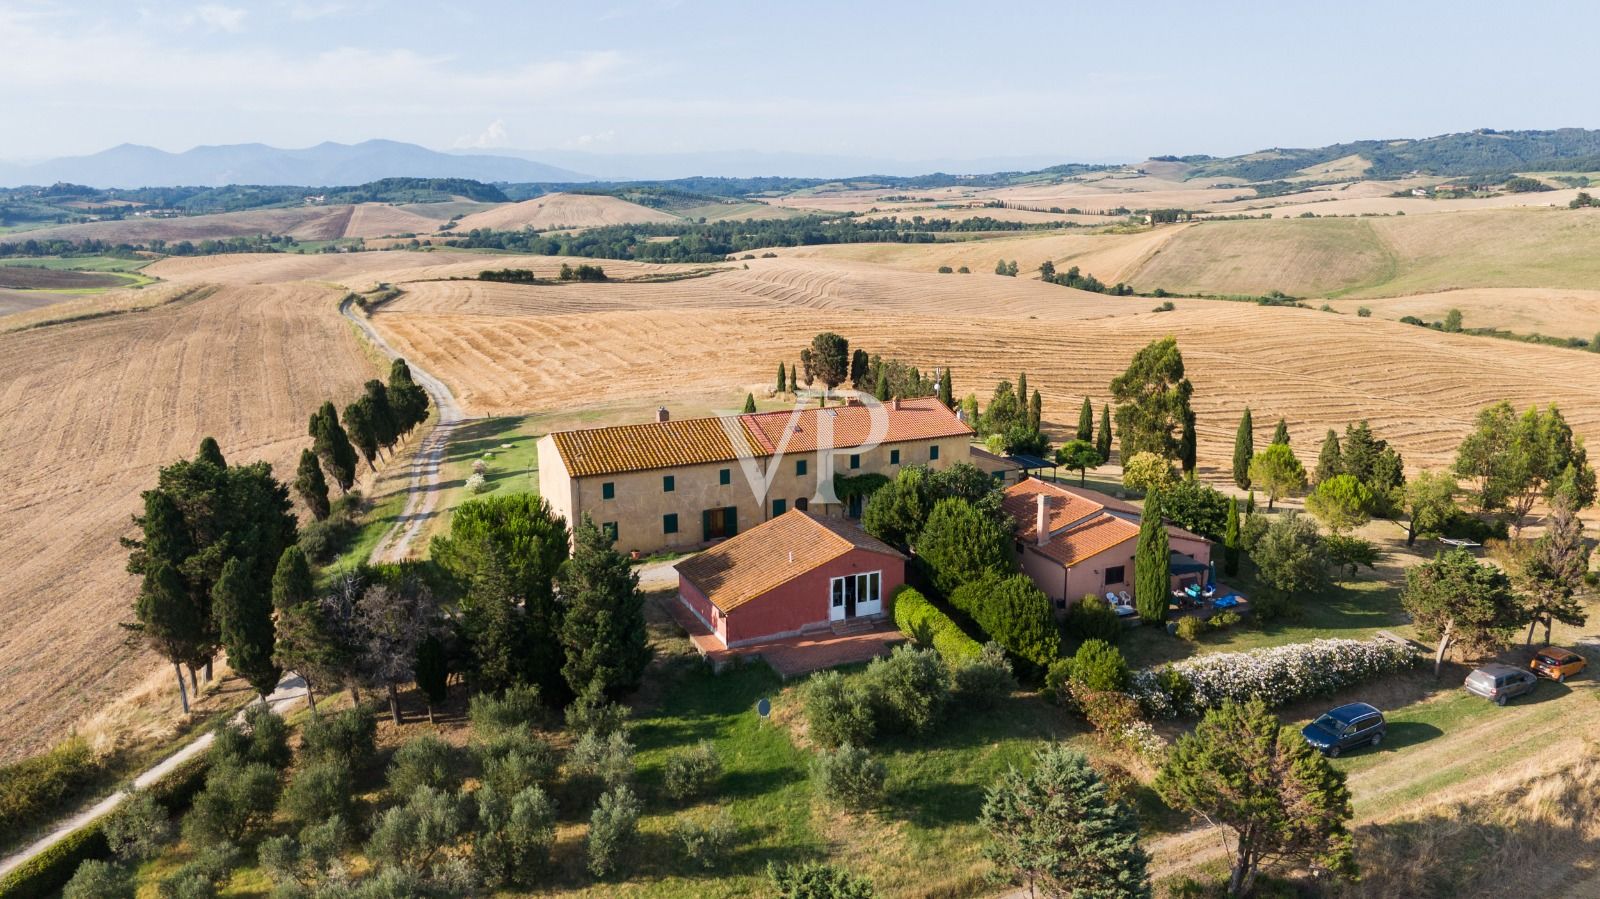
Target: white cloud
{"x": 220, "y": 18}
{"x": 492, "y": 136}
{"x": 590, "y": 140}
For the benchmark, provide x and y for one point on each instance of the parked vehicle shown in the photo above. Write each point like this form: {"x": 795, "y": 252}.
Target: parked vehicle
{"x": 1346, "y": 727}
{"x": 1501, "y": 683}
{"x": 1556, "y": 663}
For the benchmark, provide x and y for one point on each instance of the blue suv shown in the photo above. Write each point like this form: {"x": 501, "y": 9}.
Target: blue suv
{"x": 1346, "y": 727}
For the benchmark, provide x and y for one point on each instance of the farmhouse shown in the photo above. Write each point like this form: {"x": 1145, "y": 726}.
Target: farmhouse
{"x": 1075, "y": 543}
{"x": 673, "y": 485}
{"x": 796, "y": 574}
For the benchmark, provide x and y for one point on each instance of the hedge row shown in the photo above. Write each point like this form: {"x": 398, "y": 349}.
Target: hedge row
{"x": 38, "y": 788}
{"x": 46, "y": 873}
{"x": 927, "y": 625}
{"x": 1276, "y": 675}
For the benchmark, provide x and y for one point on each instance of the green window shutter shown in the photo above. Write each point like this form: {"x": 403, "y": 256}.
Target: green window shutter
{"x": 933, "y": 452}
{"x": 725, "y": 477}
{"x": 733, "y": 520}
{"x": 894, "y": 457}
{"x": 668, "y": 483}
{"x": 669, "y": 523}
{"x": 779, "y": 507}
{"x": 855, "y": 460}
{"x": 608, "y": 490}
{"x": 705, "y": 524}
{"x": 799, "y": 466}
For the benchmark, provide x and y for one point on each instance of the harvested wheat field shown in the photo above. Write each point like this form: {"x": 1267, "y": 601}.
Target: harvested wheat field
{"x": 1366, "y": 257}
{"x": 1111, "y": 256}
{"x": 302, "y": 223}
{"x": 92, "y": 409}
{"x": 556, "y": 211}
{"x": 510, "y": 349}
{"x": 1555, "y": 312}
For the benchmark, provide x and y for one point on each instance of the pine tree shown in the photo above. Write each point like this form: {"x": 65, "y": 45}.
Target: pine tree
{"x": 210, "y": 452}
{"x": 947, "y": 390}
{"x": 1057, "y": 829}
{"x": 1244, "y": 449}
{"x": 1280, "y": 434}
{"x": 1086, "y": 422}
{"x": 749, "y": 403}
{"x": 1328, "y": 462}
{"x": 363, "y": 429}
{"x": 1187, "y": 450}
{"x": 1035, "y": 413}
{"x": 169, "y": 621}
{"x": 1152, "y": 578}
{"x": 783, "y": 379}
{"x": 244, "y": 613}
{"x": 604, "y": 629}
{"x": 333, "y": 447}
{"x": 1230, "y": 542}
{"x": 311, "y": 487}
{"x": 1102, "y": 439}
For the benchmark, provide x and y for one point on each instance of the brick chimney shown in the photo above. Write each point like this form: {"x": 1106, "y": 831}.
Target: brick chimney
{"x": 661, "y": 414}
{"x": 897, "y": 404}
{"x": 1041, "y": 522}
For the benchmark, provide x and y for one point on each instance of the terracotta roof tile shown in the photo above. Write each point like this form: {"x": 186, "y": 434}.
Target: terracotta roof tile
{"x": 1091, "y": 538}
{"x": 694, "y": 441}
{"x": 1022, "y": 502}
{"x": 744, "y": 567}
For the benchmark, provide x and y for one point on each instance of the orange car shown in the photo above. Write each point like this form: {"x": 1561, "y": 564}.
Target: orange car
{"x": 1556, "y": 663}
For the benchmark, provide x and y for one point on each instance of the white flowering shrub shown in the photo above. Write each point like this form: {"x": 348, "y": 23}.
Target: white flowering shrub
{"x": 1276, "y": 675}
{"x": 1142, "y": 739}
{"x": 477, "y": 484}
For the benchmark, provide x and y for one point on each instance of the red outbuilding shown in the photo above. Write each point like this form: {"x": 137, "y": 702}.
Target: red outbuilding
{"x": 795, "y": 574}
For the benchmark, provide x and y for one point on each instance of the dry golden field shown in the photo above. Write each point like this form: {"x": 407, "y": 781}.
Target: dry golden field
{"x": 92, "y": 409}
{"x": 1558, "y": 312}
{"x": 554, "y": 211}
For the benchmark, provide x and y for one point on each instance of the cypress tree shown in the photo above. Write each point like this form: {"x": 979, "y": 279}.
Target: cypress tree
{"x": 210, "y": 452}
{"x": 1230, "y": 541}
{"x": 311, "y": 486}
{"x": 1022, "y": 387}
{"x": 169, "y": 621}
{"x": 1250, "y": 504}
{"x": 333, "y": 447}
{"x": 749, "y": 403}
{"x": 358, "y": 421}
{"x": 1102, "y": 440}
{"x": 947, "y": 390}
{"x": 1328, "y": 462}
{"x": 432, "y": 672}
{"x": 385, "y": 424}
{"x": 1281, "y": 433}
{"x": 1244, "y": 449}
{"x": 244, "y": 613}
{"x": 1186, "y": 443}
{"x": 1152, "y": 578}
{"x": 783, "y": 379}
{"x": 881, "y": 390}
{"x": 303, "y": 645}
{"x": 1035, "y": 413}
{"x": 1086, "y": 422}
{"x": 603, "y": 632}
{"x": 409, "y": 400}
{"x": 794, "y": 378}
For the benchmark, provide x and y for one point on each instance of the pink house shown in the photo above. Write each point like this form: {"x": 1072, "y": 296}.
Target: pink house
{"x": 1075, "y": 543}
{"x": 796, "y": 574}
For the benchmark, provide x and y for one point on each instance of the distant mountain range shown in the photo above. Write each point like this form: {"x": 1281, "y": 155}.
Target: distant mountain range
{"x": 1482, "y": 152}
{"x": 762, "y": 164}
{"x": 326, "y": 164}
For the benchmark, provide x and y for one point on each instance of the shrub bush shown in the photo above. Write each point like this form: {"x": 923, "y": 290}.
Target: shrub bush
{"x": 608, "y": 760}
{"x": 518, "y": 706}
{"x": 912, "y": 688}
{"x": 296, "y": 862}
{"x": 1190, "y": 628}
{"x": 350, "y": 735}
{"x": 138, "y": 828}
{"x": 30, "y": 790}
{"x": 426, "y": 761}
{"x": 236, "y": 797}
{"x": 1275, "y": 675}
{"x": 1110, "y": 713}
{"x": 691, "y": 773}
{"x": 926, "y": 625}
{"x": 1223, "y": 620}
{"x": 984, "y": 682}
{"x": 96, "y": 879}
{"x": 840, "y": 710}
{"x": 320, "y": 789}
{"x": 594, "y": 713}
{"x": 262, "y": 738}
{"x": 1100, "y": 666}
{"x": 1014, "y": 613}
{"x": 613, "y": 829}
{"x": 324, "y": 540}
{"x": 514, "y": 760}
{"x": 409, "y": 836}
{"x": 1057, "y": 678}
{"x": 706, "y": 842}
{"x": 1092, "y": 618}
{"x": 198, "y": 878}
{"x": 817, "y": 880}
{"x": 515, "y": 836}
{"x": 849, "y": 776}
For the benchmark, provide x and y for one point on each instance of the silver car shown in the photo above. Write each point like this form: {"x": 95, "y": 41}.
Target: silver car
{"x": 1501, "y": 683}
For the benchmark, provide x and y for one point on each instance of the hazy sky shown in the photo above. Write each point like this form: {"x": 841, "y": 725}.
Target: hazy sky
{"x": 896, "y": 80}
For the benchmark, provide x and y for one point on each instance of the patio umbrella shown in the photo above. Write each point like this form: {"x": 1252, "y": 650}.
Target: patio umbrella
{"x": 1212, "y": 583}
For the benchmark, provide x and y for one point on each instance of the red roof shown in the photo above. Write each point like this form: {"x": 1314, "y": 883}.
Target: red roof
{"x": 744, "y": 567}
{"x": 924, "y": 418}
{"x": 1083, "y": 523}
